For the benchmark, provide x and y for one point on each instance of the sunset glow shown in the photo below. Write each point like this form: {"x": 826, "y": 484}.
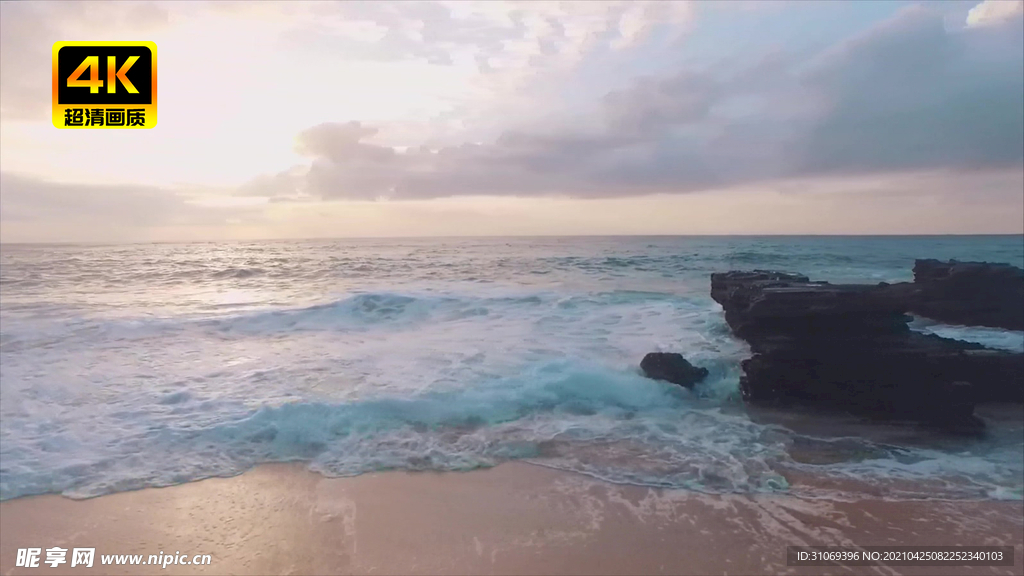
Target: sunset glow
{"x": 571, "y": 113}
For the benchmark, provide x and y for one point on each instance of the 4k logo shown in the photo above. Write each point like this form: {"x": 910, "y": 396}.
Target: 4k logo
{"x": 104, "y": 84}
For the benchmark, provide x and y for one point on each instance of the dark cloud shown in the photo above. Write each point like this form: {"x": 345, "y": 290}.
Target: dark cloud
{"x": 909, "y": 94}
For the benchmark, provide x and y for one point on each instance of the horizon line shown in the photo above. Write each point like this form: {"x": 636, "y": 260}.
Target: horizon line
{"x": 492, "y": 237}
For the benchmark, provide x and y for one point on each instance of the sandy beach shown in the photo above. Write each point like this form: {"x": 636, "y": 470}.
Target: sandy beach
{"x": 516, "y": 518}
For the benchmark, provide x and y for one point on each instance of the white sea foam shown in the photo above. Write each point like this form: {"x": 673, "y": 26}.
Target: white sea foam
{"x": 167, "y": 364}
{"x": 997, "y": 338}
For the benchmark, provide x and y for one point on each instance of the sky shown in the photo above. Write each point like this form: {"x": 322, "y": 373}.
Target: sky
{"x": 436, "y": 118}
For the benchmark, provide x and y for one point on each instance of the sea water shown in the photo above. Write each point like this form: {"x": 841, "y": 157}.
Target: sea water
{"x": 127, "y": 366}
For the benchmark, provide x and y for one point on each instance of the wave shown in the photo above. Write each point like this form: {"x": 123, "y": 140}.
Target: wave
{"x": 360, "y": 311}
{"x": 771, "y": 257}
{"x": 455, "y": 429}
{"x": 135, "y": 366}
{"x": 244, "y": 272}
{"x": 607, "y": 423}
{"x": 996, "y": 338}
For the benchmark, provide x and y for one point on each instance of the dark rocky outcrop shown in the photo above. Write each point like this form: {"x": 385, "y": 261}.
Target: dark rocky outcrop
{"x": 968, "y": 293}
{"x": 673, "y": 368}
{"x": 849, "y": 347}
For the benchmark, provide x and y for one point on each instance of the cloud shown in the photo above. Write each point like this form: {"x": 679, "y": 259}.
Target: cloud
{"x": 911, "y": 94}
{"x": 995, "y": 12}
{"x": 29, "y": 29}
{"x": 907, "y": 95}
{"x": 560, "y": 100}
{"x": 685, "y": 98}
{"x": 41, "y": 210}
{"x": 441, "y": 65}
{"x": 494, "y": 35}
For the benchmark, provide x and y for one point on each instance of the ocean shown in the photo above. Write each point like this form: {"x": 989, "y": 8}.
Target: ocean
{"x": 128, "y": 366}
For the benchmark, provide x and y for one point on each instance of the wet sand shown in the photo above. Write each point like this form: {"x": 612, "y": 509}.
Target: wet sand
{"x": 513, "y": 519}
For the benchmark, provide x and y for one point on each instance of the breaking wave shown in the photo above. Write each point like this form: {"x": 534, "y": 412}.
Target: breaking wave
{"x": 614, "y": 425}
{"x": 150, "y": 365}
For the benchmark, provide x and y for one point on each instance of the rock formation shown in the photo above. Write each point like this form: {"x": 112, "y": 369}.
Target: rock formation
{"x": 849, "y": 347}
{"x": 967, "y": 293}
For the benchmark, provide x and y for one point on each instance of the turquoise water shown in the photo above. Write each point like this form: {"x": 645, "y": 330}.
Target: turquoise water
{"x": 153, "y": 364}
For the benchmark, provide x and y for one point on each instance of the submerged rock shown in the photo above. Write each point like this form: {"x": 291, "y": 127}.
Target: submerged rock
{"x": 672, "y": 367}
{"x": 849, "y": 348}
